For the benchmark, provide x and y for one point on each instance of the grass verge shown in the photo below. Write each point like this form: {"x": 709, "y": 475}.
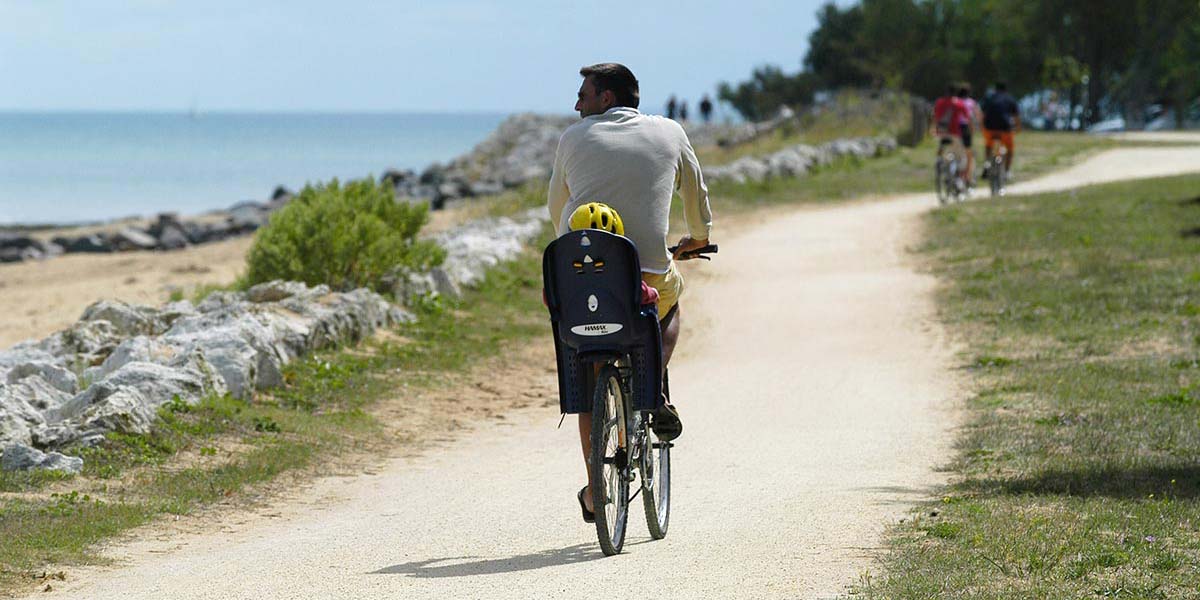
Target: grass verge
{"x": 223, "y": 448}
{"x": 1078, "y": 474}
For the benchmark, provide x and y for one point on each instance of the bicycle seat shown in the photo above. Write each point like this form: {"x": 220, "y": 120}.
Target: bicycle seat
{"x": 593, "y": 289}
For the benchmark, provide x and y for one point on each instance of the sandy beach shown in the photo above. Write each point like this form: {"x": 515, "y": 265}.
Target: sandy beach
{"x": 40, "y": 297}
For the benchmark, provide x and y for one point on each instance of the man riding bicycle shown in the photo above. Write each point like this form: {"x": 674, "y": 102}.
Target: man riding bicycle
{"x": 949, "y": 115}
{"x": 1001, "y": 118}
{"x": 633, "y": 163}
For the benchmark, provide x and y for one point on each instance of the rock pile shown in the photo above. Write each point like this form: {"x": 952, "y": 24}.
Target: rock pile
{"x": 472, "y": 249}
{"x": 167, "y": 232}
{"x": 15, "y": 247}
{"x": 798, "y": 160}
{"x": 119, "y": 363}
{"x": 521, "y": 149}
{"x": 114, "y": 367}
{"x": 723, "y": 135}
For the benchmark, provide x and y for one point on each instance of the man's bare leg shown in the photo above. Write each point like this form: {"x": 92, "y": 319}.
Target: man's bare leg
{"x": 670, "y": 335}
{"x": 585, "y": 442}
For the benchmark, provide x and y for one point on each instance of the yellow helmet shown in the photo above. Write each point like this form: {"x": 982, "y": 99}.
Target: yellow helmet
{"x": 595, "y": 215}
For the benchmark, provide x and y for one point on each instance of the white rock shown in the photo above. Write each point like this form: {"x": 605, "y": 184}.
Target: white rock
{"x": 221, "y": 300}
{"x": 227, "y": 351}
{"x": 274, "y": 291}
{"x": 90, "y": 342}
{"x": 20, "y": 457}
{"x": 751, "y": 169}
{"x": 135, "y": 349}
{"x": 58, "y": 376}
{"x": 22, "y": 353}
{"x": 126, "y": 319}
{"x": 18, "y": 418}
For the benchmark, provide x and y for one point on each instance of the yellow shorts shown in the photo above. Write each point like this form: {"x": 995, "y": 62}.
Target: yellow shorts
{"x": 669, "y": 286}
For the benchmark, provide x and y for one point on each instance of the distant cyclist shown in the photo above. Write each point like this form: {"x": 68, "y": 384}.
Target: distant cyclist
{"x": 949, "y": 114}
{"x": 972, "y": 119}
{"x": 1001, "y": 118}
{"x": 633, "y": 163}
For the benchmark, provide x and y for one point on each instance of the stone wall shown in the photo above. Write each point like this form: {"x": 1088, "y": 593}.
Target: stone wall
{"x": 119, "y": 363}
{"x": 799, "y": 160}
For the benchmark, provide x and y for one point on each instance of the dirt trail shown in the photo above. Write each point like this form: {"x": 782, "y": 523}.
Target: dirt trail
{"x": 819, "y": 396}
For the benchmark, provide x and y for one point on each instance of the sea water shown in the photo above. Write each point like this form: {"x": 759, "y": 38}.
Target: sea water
{"x": 82, "y": 167}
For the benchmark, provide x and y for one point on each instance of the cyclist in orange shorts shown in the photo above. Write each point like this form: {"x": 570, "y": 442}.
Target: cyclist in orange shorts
{"x": 1001, "y": 119}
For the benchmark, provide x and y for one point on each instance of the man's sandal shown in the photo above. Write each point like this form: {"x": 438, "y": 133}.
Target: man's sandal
{"x": 588, "y": 516}
{"x": 666, "y": 423}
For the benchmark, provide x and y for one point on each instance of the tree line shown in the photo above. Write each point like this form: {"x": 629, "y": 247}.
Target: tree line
{"x": 1103, "y": 57}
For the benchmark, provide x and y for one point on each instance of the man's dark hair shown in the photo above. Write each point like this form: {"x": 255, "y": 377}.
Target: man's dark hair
{"x": 615, "y": 78}
{"x": 1001, "y": 86}
{"x": 964, "y": 91}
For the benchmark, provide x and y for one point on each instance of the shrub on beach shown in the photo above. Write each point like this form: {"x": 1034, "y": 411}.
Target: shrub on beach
{"x": 345, "y": 236}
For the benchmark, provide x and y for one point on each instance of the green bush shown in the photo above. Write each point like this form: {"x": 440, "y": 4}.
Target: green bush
{"x": 345, "y": 236}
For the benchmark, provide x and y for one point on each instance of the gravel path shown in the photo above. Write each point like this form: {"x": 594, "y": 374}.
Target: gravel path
{"x": 819, "y": 395}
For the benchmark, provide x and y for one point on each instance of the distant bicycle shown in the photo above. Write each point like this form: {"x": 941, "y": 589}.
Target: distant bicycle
{"x": 947, "y": 179}
{"x": 996, "y": 172}
{"x": 609, "y": 353}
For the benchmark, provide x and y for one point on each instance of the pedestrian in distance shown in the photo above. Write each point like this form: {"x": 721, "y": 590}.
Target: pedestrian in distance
{"x": 706, "y": 108}
{"x": 671, "y": 107}
{"x": 683, "y": 111}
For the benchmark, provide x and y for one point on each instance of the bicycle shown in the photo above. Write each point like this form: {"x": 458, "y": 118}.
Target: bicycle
{"x": 947, "y": 181}
{"x": 608, "y": 349}
{"x": 997, "y": 172}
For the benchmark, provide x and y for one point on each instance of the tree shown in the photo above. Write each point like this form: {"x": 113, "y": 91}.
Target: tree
{"x": 767, "y": 90}
{"x": 1103, "y": 54}
{"x": 834, "y": 49}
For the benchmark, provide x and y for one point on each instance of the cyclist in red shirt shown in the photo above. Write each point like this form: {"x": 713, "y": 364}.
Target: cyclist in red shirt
{"x": 973, "y": 118}
{"x": 949, "y": 114}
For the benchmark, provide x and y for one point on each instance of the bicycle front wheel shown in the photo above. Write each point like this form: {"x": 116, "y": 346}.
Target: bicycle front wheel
{"x": 939, "y": 181}
{"x": 609, "y": 460}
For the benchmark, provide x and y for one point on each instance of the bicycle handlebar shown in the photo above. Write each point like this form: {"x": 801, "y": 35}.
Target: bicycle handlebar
{"x": 697, "y": 253}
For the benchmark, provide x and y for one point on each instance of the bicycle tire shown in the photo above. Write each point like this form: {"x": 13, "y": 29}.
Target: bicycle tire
{"x": 656, "y": 486}
{"x": 1003, "y": 177}
{"x": 607, "y": 462}
{"x": 953, "y": 183}
{"x": 997, "y": 175}
{"x": 939, "y": 181}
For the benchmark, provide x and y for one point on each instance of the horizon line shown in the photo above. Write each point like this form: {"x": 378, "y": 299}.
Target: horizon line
{"x": 258, "y": 111}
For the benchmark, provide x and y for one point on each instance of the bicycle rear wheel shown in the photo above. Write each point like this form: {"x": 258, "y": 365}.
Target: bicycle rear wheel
{"x": 1003, "y": 175}
{"x": 656, "y": 483}
{"x": 609, "y": 461}
{"x": 939, "y": 181}
{"x": 997, "y": 175}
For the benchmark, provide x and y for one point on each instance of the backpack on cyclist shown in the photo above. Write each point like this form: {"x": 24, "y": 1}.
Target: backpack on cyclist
{"x": 593, "y": 292}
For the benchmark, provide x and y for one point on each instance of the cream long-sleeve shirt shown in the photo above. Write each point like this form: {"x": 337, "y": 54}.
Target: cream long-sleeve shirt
{"x": 633, "y": 163}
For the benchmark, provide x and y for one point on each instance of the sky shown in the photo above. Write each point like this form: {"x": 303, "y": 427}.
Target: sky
{"x": 429, "y": 56}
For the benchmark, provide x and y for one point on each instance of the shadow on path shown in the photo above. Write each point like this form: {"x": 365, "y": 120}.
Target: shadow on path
{"x": 1176, "y": 481}
{"x": 466, "y": 566}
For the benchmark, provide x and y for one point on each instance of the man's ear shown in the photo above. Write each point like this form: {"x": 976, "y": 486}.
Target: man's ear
{"x": 608, "y": 99}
